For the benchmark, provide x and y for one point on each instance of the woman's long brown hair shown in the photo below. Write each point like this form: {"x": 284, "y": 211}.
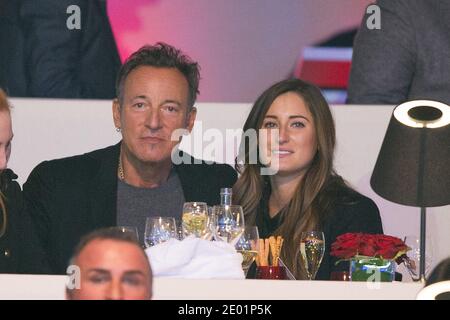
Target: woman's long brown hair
{"x": 4, "y": 106}
{"x": 315, "y": 192}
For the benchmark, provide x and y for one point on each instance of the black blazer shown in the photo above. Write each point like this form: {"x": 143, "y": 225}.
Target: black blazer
{"x": 41, "y": 57}
{"x": 70, "y": 197}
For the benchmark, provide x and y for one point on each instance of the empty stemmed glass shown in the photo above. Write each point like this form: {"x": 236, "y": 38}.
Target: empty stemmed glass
{"x": 159, "y": 229}
{"x": 412, "y": 261}
{"x": 229, "y": 223}
{"x": 247, "y": 245}
{"x": 312, "y": 249}
{"x": 129, "y": 230}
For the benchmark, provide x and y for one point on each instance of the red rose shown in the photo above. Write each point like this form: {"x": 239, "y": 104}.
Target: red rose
{"x": 367, "y": 246}
{"x": 346, "y": 245}
{"x": 389, "y": 246}
{"x": 349, "y": 245}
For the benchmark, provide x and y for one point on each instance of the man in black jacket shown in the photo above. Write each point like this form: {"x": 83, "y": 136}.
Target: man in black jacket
{"x": 123, "y": 184}
{"x": 57, "y": 49}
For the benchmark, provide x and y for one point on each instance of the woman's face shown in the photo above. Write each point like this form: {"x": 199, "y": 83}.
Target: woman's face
{"x": 6, "y": 136}
{"x": 294, "y": 149}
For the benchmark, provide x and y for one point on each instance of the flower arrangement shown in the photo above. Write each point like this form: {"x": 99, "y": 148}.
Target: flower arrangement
{"x": 370, "y": 254}
{"x": 350, "y": 245}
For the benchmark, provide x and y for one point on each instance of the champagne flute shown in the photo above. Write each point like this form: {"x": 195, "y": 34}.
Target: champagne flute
{"x": 195, "y": 219}
{"x": 158, "y": 230}
{"x": 312, "y": 249}
{"x": 247, "y": 245}
{"x": 229, "y": 224}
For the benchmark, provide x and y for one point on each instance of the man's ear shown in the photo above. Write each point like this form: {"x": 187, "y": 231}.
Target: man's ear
{"x": 191, "y": 119}
{"x": 116, "y": 113}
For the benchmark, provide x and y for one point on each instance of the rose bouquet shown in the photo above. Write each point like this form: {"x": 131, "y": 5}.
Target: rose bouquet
{"x": 382, "y": 246}
{"x": 370, "y": 254}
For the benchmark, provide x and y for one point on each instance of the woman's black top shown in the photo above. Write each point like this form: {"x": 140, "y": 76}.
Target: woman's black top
{"x": 350, "y": 212}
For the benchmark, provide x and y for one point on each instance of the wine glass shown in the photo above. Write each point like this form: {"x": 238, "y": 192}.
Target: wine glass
{"x": 195, "y": 219}
{"x": 211, "y": 225}
{"x": 158, "y": 230}
{"x": 179, "y": 226}
{"x": 129, "y": 230}
{"x": 247, "y": 245}
{"x": 312, "y": 249}
{"x": 229, "y": 223}
{"x": 412, "y": 261}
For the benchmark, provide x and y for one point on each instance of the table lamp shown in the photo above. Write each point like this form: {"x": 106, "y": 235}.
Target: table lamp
{"x": 413, "y": 166}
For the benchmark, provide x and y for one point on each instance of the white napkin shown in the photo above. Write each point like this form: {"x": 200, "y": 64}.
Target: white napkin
{"x": 194, "y": 258}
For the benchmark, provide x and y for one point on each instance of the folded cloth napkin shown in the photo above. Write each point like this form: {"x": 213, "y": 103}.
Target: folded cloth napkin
{"x": 195, "y": 258}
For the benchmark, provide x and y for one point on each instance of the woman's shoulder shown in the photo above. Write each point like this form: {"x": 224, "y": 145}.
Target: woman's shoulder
{"x": 355, "y": 211}
{"x": 350, "y": 198}
{"x": 11, "y": 193}
{"x": 340, "y": 194}
{"x": 8, "y": 183}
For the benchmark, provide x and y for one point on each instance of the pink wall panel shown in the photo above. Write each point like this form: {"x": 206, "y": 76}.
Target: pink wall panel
{"x": 243, "y": 46}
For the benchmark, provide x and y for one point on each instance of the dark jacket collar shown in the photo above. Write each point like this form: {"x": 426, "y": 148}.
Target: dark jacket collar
{"x": 103, "y": 188}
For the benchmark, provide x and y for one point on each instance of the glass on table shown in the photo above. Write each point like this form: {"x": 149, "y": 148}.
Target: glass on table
{"x": 179, "y": 226}
{"x": 195, "y": 219}
{"x": 312, "y": 249}
{"x": 159, "y": 230}
{"x": 412, "y": 261}
{"x": 247, "y": 245}
{"x": 229, "y": 224}
{"x": 129, "y": 230}
{"x": 271, "y": 273}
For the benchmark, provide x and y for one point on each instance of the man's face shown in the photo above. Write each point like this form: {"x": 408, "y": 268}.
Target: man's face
{"x": 112, "y": 270}
{"x": 155, "y": 103}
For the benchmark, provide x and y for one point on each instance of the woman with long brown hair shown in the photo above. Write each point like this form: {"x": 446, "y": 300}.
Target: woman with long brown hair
{"x": 303, "y": 192}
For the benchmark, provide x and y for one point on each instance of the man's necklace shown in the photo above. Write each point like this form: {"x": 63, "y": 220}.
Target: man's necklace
{"x": 121, "y": 175}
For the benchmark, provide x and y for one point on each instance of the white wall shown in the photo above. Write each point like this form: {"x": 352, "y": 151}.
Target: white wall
{"x": 48, "y": 129}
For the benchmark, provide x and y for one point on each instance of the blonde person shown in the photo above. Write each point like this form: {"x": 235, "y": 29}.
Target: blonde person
{"x": 305, "y": 193}
{"x": 19, "y": 250}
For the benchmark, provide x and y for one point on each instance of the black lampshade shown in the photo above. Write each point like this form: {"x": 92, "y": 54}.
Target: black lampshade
{"x": 413, "y": 166}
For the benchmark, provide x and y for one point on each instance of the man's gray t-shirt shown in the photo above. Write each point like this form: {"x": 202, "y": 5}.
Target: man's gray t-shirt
{"x": 135, "y": 204}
